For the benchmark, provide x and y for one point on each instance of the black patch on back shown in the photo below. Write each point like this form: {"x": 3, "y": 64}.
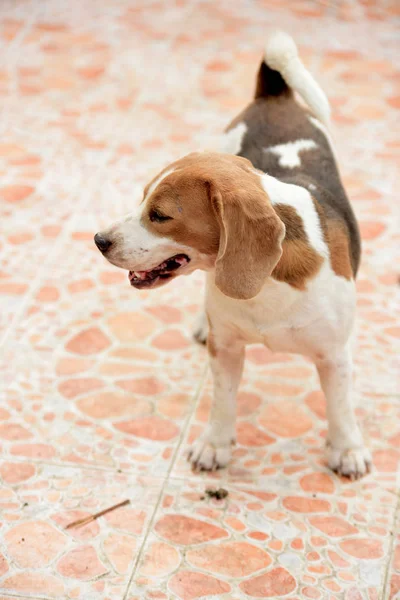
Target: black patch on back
{"x": 270, "y": 83}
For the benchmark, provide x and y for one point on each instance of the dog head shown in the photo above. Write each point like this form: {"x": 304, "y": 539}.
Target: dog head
{"x": 205, "y": 211}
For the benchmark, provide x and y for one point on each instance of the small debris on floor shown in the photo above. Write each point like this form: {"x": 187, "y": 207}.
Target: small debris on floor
{"x": 90, "y": 518}
{"x": 219, "y": 494}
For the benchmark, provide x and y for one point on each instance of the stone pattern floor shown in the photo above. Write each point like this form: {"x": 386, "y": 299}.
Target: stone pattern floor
{"x": 101, "y": 386}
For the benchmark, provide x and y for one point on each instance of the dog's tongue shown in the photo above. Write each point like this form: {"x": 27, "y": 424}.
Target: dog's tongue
{"x": 165, "y": 268}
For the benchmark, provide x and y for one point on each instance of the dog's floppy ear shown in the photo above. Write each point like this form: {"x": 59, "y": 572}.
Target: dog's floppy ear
{"x": 251, "y": 235}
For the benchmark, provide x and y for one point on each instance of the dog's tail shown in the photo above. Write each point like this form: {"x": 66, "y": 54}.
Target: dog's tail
{"x": 282, "y": 71}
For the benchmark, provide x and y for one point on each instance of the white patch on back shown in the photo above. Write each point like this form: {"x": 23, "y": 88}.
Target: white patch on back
{"x": 324, "y": 130}
{"x": 231, "y": 142}
{"x": 157, "y": 182}
{"x": 300, "y": 199}
{"x": 288, "y": 154}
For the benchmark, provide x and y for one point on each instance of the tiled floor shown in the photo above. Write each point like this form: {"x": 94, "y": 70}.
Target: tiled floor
{"x": 101, "y": 386}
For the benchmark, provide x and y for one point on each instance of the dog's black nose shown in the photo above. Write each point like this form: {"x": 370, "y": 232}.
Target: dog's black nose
{"x": 102, "y": 243}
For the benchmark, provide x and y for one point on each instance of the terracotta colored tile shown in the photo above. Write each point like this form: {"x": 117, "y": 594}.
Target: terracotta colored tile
{"x": 16, "y": 193}
{"x": 394, "y": 586}
{"x": 248, "y": 435}
{"x": 160, "y": 560}
{"x": 20, "y": 238}
{"x": 273, "y": 584}
{"x": 285, "y": 419}
{"x": 235, "y": 559}
{"x": 363, "y": 548}
{"x": 333, "y": 526}
{"x": 318, "y": 482}
{"x": 152, "y": 428}
{"x": 185, "y": 530}
{"x": 170, "y": 340}
{"x": 34, "y": 544}
{"x": 70, "y": 366}
{"x": 167, "y": 314}
{"x": 16, "y": 472}
{"x": 128, "y": 327}
{"x": 306, "y": 505}
{"x": 317, "y": 403}
{"x": 35, "y": 450}
{"x": 47, "y": 294}
{"x": 109, "y": 404}
{"x": 71, "y": 388}
{"x": 33, "y": 582}
{"x": 16, "y": 289}
{"x": 13, "y": 431}
{"x": 235, "y": 524}
{"x": 148, "y": 386}
{"x": 89, "y": 341}
{"x": 127, "y": 519}
{"x": 371, "y": 229}
{"x": 81, "y": 563}
{"x": 189, "y": 585}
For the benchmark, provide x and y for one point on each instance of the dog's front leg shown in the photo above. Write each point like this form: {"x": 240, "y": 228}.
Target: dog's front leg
{"x": 345, "y": 447}
{"x": 214, "y": 447}
{"x": 200, "y": 330}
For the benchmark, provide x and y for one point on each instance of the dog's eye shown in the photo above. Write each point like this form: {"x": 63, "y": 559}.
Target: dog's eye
{"x": 158, "y": 217}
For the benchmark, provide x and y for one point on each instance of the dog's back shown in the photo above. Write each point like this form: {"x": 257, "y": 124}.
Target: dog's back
{"x": 290, "y": 142}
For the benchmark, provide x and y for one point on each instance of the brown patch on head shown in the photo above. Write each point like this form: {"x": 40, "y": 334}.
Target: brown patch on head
{"x": 183, "y": 197}
{"x": 218, "y": 206}
{"x": 299, "y": 261}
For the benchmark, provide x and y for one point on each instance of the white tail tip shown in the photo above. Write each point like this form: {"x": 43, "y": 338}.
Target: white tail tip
{"x": 281, "y": 55}
{"x": 280, "y": 51}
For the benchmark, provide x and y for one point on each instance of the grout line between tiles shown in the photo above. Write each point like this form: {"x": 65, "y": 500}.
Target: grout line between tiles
{"x": 182, "y": 436}
{"x": 81, "y": 467}
{"x": 386, "y": 580}
{"x": 23, "y": 596}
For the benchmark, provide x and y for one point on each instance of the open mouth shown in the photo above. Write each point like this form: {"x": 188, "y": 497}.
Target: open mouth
{"x": 160, "y": 274}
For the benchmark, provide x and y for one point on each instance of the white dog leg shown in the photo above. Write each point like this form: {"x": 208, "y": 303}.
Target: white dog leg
{"x": 213, "y": 449}
{"x": 345, "y": 447}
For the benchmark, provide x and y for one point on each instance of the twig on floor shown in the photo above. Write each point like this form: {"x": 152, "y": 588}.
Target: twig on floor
{"x": 90, "y": 518}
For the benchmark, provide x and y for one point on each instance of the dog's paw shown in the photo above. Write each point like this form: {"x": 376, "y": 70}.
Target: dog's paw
{"x": 200, "y": 330}
{"x": 205, "y": 455}
{"x": 353, "y": 462}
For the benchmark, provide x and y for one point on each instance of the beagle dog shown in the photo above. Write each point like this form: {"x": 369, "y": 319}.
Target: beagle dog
{"x": 269, "y": 222}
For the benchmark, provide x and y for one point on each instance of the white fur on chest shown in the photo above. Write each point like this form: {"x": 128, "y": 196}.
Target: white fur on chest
{"x": 310, "y": 322}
